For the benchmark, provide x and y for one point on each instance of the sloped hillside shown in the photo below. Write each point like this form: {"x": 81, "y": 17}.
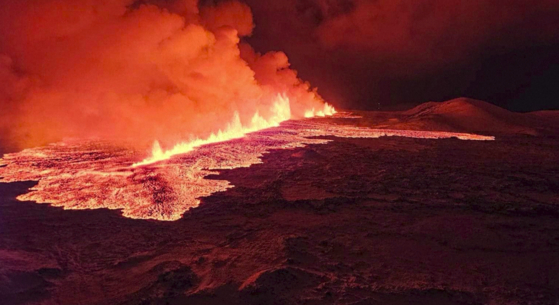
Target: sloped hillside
{"x": 471, "y": 115}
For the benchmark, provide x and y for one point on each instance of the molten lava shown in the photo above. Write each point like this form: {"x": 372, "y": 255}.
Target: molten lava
{"x": 281, "y": 112}
{"x": 78, "y": 174}
{"x": 327, "y": 111}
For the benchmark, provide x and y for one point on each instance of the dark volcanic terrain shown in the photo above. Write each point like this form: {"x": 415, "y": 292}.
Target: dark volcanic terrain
{"x": 391, "y": 220}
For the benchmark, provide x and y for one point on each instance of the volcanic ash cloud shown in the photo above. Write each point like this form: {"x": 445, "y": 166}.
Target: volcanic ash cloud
{"x": 169, "y": 71}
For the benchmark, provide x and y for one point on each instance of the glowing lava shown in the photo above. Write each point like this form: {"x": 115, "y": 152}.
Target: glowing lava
{"x": 91, "y": 175}
{"x": 327, "y": 111}
{"x": 281, "y": 112}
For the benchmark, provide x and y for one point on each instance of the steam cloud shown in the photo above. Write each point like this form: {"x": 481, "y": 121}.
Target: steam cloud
{"x": 165, "y": 70}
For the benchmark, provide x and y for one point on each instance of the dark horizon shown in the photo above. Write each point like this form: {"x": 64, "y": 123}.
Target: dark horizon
{"x": 504, "y": 53}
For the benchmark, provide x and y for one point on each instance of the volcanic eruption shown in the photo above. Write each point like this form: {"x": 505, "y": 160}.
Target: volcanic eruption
{"x": 112, "y": 78}
{"x": 139, "y": 72}
{"x": 156, "y": 152}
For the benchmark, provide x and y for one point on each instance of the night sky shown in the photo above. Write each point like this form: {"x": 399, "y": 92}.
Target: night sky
{"x": 389, "y": 54}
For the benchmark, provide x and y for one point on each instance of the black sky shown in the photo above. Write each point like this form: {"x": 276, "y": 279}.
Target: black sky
{"x": 394, "y": 54}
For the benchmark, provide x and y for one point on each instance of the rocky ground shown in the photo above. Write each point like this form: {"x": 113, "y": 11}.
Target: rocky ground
{"x": 357, "y": 221}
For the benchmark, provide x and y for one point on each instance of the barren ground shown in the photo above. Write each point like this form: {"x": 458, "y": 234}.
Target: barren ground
{"x": 356, "y": 221}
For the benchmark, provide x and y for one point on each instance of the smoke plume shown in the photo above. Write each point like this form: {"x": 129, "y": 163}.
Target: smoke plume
{"x": 138, "y": 71}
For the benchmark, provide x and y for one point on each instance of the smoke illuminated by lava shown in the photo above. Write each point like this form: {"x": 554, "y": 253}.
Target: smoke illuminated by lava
{"x": 132, "y": 73}
{"x": 138, "y": 72}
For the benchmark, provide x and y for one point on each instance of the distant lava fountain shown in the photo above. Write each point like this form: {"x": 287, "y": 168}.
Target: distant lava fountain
{"x": 78, "y": 174}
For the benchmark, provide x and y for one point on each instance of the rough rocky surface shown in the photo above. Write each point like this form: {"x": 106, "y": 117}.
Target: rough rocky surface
{"x": 357, "y": 221}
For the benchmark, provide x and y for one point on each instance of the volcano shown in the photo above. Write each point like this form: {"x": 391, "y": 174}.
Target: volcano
{"x": 446, "y": 203}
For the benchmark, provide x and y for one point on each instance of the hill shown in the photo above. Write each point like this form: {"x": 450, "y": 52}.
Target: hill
{"x": 465, "y": 115}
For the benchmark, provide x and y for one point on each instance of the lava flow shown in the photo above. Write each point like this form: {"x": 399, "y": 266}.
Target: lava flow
{"x": 78, "y": 174}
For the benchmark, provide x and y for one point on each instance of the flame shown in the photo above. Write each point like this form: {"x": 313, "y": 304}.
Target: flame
{"x": 281, "y": 112}
{"x": 328, "y": 110}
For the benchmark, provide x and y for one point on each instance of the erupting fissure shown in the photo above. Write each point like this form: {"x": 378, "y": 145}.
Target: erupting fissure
{"x": 281, "y": 112}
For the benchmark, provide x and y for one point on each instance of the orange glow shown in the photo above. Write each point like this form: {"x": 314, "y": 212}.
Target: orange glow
{"x": 326, "y": 111}
{"x": 281, "y": 112}
{"x": 78, "y": 174}
{"x": 166, "y": 72}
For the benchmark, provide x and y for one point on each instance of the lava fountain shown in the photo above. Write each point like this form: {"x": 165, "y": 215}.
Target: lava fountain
{"x": 281, "y": 112}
